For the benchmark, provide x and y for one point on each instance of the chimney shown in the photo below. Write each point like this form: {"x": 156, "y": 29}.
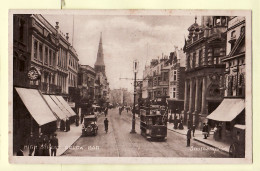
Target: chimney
{"x": 57, "y": 25}
{"x": 67, "y": 36}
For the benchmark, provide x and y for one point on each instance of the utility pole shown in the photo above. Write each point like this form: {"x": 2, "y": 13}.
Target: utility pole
{"x": 133, "y": 119}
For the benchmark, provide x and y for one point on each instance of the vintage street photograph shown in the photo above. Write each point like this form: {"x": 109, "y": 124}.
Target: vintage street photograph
{"x": 130, "y": 84}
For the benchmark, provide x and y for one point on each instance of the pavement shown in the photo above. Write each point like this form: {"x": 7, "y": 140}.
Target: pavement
{"x": 66, "y": 139}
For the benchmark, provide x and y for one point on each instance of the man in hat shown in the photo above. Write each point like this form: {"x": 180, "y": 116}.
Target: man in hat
{"x": 31, "y": 144}
{"x": 188, "y": 137}
{"x": 54, "y": 144}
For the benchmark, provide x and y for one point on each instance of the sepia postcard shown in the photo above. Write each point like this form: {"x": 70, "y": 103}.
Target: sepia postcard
{"x": 130, "y": 86}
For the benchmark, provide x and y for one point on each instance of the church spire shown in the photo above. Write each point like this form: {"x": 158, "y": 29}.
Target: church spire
{"x": 100, "y": 55}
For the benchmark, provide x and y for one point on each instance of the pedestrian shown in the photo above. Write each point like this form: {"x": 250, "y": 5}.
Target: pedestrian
{"x": 46, "y": 145}
{"x": 175, "y": 122}
{"x": 77, "y": 120}
{"x": 205, "y": 131}
{"x": 193, "y": 130}
{"x": 188, "y": 137}
{"x": 189, "y": 124}
{"x": 170, "y": 119}
{"x": 20, "y": 151}
{"x": 62, "y": 125}
{"x": 67, "y": 124}
{"x": 208, "y": 128}
{"x": 181, "y": 125}
{"x": 106, "y": 124}
{"x": 54, "y": 144}
{"x": 127, "y": 109}
{"x": 39, "y": 145}
{"x": 31, "y": 144}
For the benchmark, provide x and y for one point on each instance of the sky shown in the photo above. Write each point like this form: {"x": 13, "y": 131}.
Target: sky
{"x": 125, "y": 38}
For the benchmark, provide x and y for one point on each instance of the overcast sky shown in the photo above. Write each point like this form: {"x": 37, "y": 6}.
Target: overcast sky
{"x": 125, "y": 38}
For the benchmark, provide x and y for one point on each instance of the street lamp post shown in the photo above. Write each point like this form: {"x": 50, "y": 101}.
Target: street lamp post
{"x": 133, "y": 119}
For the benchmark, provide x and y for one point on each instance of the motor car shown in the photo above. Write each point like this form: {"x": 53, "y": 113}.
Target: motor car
{"x": 89, "y": 125}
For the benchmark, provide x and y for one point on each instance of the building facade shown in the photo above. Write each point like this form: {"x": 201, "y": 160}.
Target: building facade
{"x": 231, "y": 111}
{"x": 176, "y": 65}
{"x": 205, "y": 48}
{"x": 86, "y": 82}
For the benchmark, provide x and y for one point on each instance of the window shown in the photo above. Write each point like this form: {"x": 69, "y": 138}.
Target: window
{"x": 242, "y": 31}
{"x": 194, "y": 60}
{"x": 53, "y": 59}
{"x": 41, "y": 51}
{"x": 217, "y": 21}
{"x": 174, "y": 92}
{"x": 50, "y": 57}
{"x": 21, "y": 30}
{"x": 21, "y": 65}
{"x": 35, "y": 49}
{"x": 174, "y": 75}
{"x": 200, "y": 58}
{"x": 233, "y": 34}
{"x": 46, "y": 55}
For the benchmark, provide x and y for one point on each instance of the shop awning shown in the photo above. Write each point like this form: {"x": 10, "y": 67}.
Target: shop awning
{"x": 36, "y": 105}
{"x": 228, "y": 110}
{"x": 66, "y": 105}
{"x": 59, "y": 104}
{"x": 55, "y": 108}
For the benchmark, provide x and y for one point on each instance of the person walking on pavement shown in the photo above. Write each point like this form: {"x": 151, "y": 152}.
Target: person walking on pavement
{"x": 46, "y": 145}
{"x": 39, "y": 145}
{"x": 106, "y": 124}
{"x": 31, "y": 144}
{"x": 106, "y": 111}
{"x": 193, "y": 130}
{"x": 205, "y": 131}
{"x": 54, "y": 144}
{"x": 188, "y": 137}
{"x": 208, "y": 129}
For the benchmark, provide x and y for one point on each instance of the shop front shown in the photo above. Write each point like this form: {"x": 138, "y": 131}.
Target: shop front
{"x": 229, "y": 113}
{"x": 31, "y": 114}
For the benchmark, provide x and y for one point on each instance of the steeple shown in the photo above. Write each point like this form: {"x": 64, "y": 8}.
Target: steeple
{"x": 100, "y": 55}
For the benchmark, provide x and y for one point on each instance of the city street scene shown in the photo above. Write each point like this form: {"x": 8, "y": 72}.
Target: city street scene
{"x": 129, "y": 85}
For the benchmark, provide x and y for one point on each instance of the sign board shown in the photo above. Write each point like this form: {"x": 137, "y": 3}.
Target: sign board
{"x": 71, "y": 104}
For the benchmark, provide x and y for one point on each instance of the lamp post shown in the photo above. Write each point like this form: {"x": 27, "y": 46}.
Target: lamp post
{"x": 133, "y": 119}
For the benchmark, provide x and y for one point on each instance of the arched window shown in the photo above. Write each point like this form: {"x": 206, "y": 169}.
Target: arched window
{"x": 242, "y": 30}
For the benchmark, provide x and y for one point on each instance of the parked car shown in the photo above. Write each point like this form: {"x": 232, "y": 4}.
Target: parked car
{"x": 89, "y": 125}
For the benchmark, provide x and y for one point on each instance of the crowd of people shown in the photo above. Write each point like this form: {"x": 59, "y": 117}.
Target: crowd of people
{"x": 42, "y": 145}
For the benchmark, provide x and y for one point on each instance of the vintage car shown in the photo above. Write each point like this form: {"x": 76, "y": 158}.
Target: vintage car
{"x": 237, "y": 148}
{"x": 89, "y": 125}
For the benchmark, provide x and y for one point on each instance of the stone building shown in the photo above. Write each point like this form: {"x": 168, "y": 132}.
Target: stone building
{"x": 176, "y": 67}
{"x": 205, "y": 48}
{"x": 155, "y": 79}
{"x": 101, "y": 82}
{"x": 40, "y": 77}
{"x": 86, "y": 82}
{"x": 231, "y": 111}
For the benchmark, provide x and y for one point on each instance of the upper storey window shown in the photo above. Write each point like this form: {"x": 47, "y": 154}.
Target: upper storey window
{"x": 220, "y": 21}
{"x": 242, "y": 31}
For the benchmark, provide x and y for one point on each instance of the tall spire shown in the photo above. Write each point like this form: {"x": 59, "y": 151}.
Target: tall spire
{"x": 100, "y": 55}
